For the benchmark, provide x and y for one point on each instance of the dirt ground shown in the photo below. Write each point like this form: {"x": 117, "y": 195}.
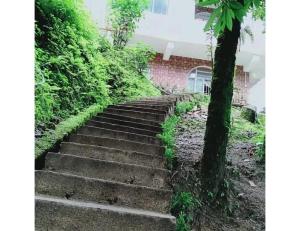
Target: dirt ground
{"x": 246, "y": 174}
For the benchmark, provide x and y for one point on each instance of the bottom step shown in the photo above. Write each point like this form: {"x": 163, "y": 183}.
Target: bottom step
{"x": 61, "y": 214}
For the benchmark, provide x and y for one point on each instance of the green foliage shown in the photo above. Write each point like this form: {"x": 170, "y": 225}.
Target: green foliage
{"x": 181, "y": 223}
{"x": 225, "y": 11}
{"x": 183, "y": 204}
{"x": 75, "y": 67}
{"x": 70, "y": 73}
{"x": 51, "y": 137}
{"x": 169, "y": 126}
{"x": 183, "y": 201}
{"x": 168, "y": 138}
{"x": 124, "y": 17}
{"x": 125, "y": 68}
{"x": 195, "y": 102}
{"x": 245, "y": 131}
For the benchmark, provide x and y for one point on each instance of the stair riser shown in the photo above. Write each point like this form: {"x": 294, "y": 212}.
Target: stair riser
{"x": 140, "y": 115}
{"x": 130, "y": 119}
{"x": 94, "y": 131}
{"x": 152, "y": 128}
{"x": 53, "y": 216}
{"x": 121, "y": 128}
{"x": 165, "y": 108}
{"x": 130, "y": 174}
{"x": 140, "y": 109}
{"x": 86, "y": 189}
{"x": 112, "y": 155}
{"x": 119, "y": 144}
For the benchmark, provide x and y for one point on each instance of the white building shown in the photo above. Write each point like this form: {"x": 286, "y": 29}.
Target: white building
{"x": 174, "y": 29}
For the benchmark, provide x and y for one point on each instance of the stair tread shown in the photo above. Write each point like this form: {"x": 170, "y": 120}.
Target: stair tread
{"x": 122, "y": 126}
{"x": 96, "y": 131}
{"x": 110, "y": 170}
{"x": 118, "y": 209}
{"x": 127, "y": 145}
{"x": 102, "y": 191}
{"x": 109, "y": 148}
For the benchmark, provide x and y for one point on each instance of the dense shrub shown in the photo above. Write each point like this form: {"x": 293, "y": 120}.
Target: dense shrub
{"x": 75, "y": 67}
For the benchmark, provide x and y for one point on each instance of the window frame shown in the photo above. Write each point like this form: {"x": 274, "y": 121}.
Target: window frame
{"x": 197, "y": 70}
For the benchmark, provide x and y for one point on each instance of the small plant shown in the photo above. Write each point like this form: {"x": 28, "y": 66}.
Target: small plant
{"x": 260, "y": 150}
{"x": 183, "y": 204}
{"x": 124, "y": 17}
{"x": 167, "y": 137}
{"x": 183, "y": 201}
{"x": 181, "y": 223}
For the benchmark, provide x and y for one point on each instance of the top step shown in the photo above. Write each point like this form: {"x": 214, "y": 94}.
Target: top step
{"x": 141, "y": 109}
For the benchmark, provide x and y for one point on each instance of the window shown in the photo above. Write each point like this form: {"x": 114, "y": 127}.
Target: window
{"x": 158, "y": 6}
{"x": 199, "y": 80}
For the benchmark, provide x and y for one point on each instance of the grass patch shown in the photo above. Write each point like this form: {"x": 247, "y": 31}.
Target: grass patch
{"x": 168, "y": 138}
{"x": 245, "y": 131}
{"x": 64, "y": 128}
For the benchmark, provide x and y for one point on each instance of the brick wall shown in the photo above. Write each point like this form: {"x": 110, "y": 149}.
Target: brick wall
{"x": 173, "y": 75}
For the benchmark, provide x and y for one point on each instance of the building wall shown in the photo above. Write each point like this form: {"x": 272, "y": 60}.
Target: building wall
{"x": 173, "y": 75}
{"x": 256, "y": 95}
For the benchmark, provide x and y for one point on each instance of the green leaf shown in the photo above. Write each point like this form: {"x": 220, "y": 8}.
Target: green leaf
{"x": 256, "y": 3}
{"x": 239, "y": 14}
{"x": 229, "y": 15}
{"x": 207, "y": 2}
{"x": 213, "y": 16}
{"x": 235, "y": 5}
{"x": 228, "y": 21}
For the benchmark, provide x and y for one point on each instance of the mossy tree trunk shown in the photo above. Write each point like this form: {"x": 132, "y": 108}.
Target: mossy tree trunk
{"x": 212, "y": 170}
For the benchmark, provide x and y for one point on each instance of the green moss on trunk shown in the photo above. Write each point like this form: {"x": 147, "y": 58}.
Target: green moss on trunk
{"x": 212, "y": 169}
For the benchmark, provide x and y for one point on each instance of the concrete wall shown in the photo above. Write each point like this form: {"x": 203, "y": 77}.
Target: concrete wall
{"x": 256, "y": 95}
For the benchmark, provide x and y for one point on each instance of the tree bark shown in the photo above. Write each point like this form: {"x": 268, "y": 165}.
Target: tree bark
{"x": 212, "y": 169}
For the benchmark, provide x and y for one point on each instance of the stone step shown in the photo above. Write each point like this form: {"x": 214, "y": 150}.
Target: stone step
{"x": 152, "y": 102}
{"x": 156, "y": 129}
{"x": 125, "y": 145}
{"x": 137, "y": 114}
{"x": 120, "y": 128}
{"x": 108, "y": 133}
{"x": 129, "y": 118}
{"x": 108, "y": 170}
{"x": 162, "y": 107}
{"x": 55, "y": 214}
{"x": 140, "y": 109}
{"x": 111, "y": 154}
{"x": 101, "y": 191}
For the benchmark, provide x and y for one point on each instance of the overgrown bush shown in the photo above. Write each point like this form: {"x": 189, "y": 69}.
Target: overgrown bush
{"x": 244, "y": 131}
{"x": 125, "y": 68}
{"x": 75, "y": 67}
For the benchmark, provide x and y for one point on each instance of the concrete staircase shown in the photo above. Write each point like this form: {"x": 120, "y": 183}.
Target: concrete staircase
{"x": 110, "y": 175}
